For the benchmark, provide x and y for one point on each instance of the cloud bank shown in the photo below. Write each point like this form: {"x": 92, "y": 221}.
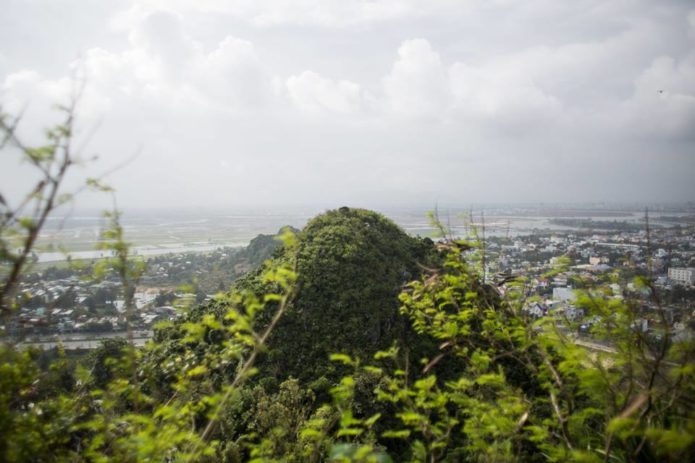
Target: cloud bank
{"x": 367, "y": 102}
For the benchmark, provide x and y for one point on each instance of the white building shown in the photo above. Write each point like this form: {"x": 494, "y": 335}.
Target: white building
{"x": 683, "y": 275}
{"x": 564, "y": 294}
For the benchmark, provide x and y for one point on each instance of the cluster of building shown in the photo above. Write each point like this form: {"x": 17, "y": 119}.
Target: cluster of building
{"x": 664, "y": 259}
{"x": 75, "y": 305}
{"x": 68, "y": 302}
{"x": 554, "y": 263}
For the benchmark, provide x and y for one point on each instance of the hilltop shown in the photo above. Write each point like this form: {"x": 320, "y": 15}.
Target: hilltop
{"x": 351, "y": 266}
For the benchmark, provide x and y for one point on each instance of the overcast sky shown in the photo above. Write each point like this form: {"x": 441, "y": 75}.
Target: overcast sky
{"x": 363, "y": 102}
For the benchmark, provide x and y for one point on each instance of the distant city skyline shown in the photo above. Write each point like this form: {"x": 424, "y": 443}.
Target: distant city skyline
{"x": 379, "y": 104}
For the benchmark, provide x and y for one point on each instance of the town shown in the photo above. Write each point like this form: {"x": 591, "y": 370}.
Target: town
{"x": 66, "y": 302}
{"x": 654, "y": 268}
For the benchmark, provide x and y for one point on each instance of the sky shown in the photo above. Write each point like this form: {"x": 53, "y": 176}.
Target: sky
{"x": 373, "y": 103}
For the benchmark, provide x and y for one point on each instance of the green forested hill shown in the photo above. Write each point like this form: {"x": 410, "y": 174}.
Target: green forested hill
{"x": 259, "y": 249}
{"x": 351, "y": 266}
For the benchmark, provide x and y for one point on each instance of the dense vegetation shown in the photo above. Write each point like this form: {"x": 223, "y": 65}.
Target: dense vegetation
{"x": 351, "y": 264}
{"x": 357, "y": 342}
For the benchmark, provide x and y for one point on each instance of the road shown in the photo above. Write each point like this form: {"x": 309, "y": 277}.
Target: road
{"x": 83, "y": 341}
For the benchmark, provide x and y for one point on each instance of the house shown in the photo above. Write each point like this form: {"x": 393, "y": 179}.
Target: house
{"x": 564, "y": 294}
{"x": 682, "y": 275}
{"x": 536, "y": 310}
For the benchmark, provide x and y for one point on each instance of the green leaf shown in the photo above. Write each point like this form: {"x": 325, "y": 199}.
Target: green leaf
{"x": 399, "y": 434}
{"x": 369, "y": 422}
{"x": 342, "y": 358}
{"x": 197, "y": 371}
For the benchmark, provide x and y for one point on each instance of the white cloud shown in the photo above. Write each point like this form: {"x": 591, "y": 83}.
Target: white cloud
{"x": 27, "y": 93}
{"x": 498, "y": 92}
{"x": 19, "y": 88}
{"x": 164, "y": 67}
{"x": 501, "y": 95}
{"x": 161, "y": 36}
{"x": 417, "y": 84}
{"x": 313, "y": 92}
{"x": 231, "y": 74}
{"x": 537, "y": 94}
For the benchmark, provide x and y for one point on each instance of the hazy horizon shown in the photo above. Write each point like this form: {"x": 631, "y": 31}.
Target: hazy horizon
{"x": 312, "y": 209}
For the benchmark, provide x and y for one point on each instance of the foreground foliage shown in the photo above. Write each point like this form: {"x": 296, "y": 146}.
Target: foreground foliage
{"x": 343, "y": 348}
{"x": 525, "y": 390}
